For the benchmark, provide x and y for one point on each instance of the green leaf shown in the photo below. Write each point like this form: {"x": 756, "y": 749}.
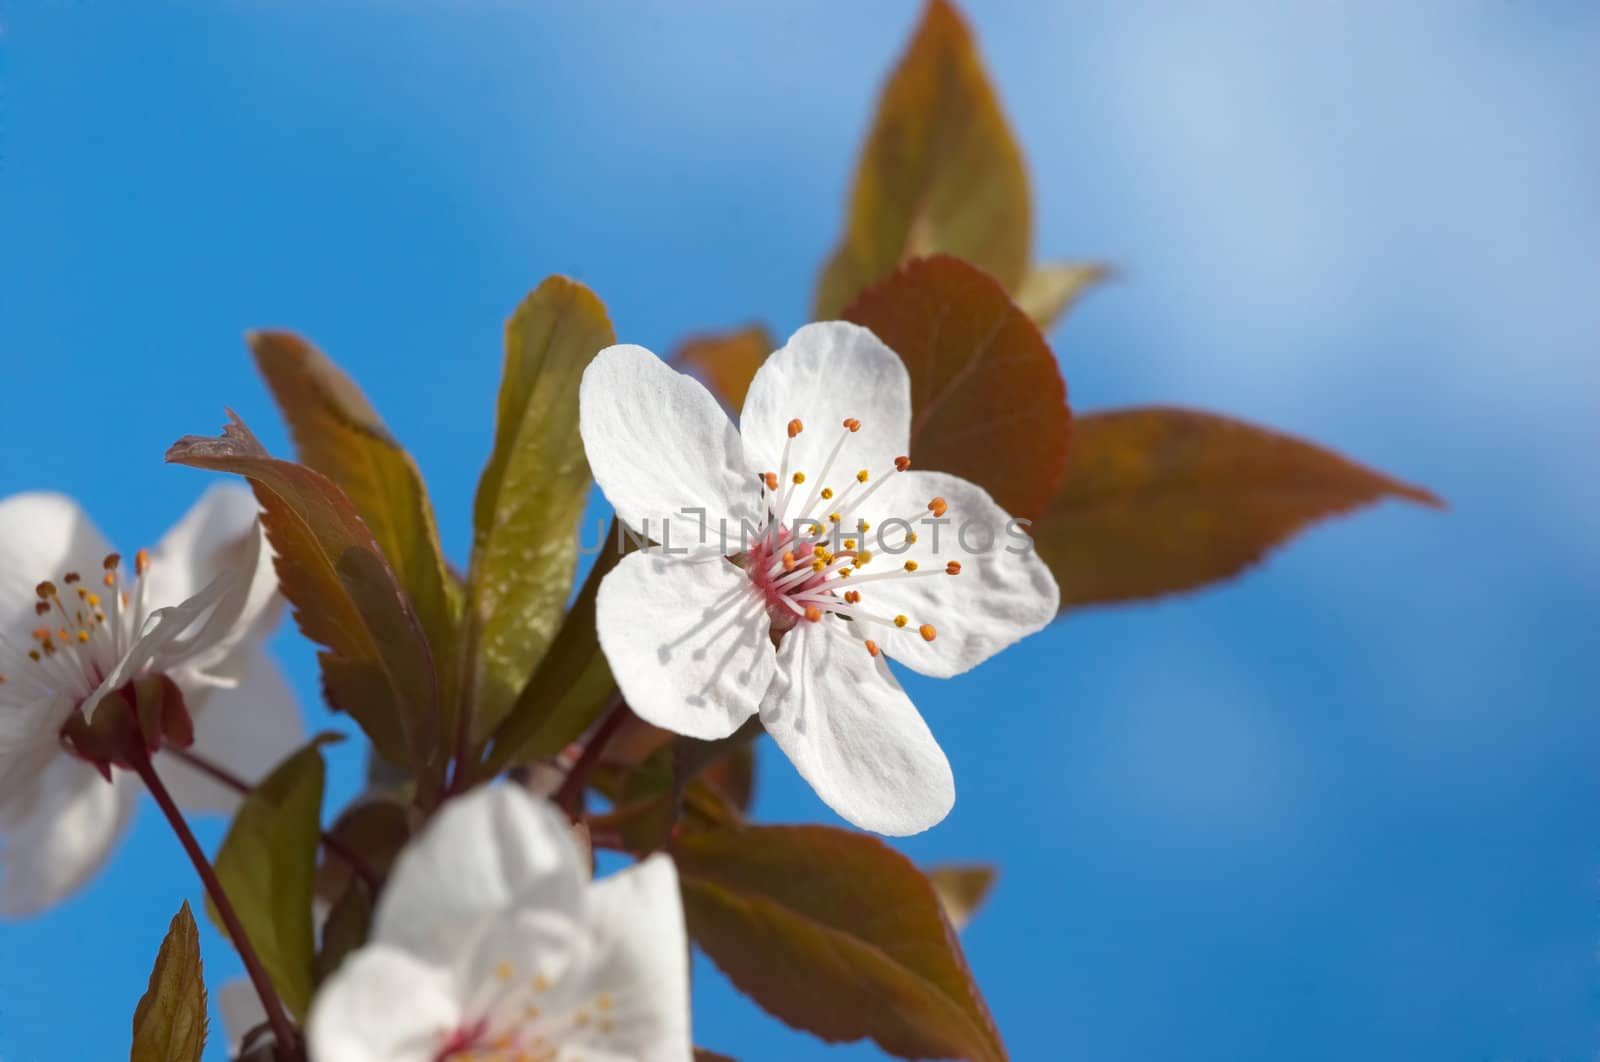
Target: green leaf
{"x": 726, "y": 362}
{"x": 376, "y": 665}
{"x": 962, "y": 889}
{"x": 532, "y": 492}
{"x": 987, "y": 399}
{"x": 268, "y": 864}
{"x": 349, "y": 922}
{"x": 573, "y": 683}
{"x": 337, "y": 432}
{"x": 1049, "y": 291}
{"x": 835, "y": 933}
{"x": 169, "y": 1025}
{"x": 941, "y": 171}
{"x": 1157, "y": 501}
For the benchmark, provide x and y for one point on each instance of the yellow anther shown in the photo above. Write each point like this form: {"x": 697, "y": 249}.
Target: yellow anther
{"x": 818, "y": 564}
{"x": 541, "y": 983}
{"x": 911, "y": 538}
{"x": 795, "y": 427}
{"x": 93, "y": 600}
{"x": 927, "y": 632}
{"x": 911, "y": 566}
{"x": 603, "y": 1001}
{"x": 788, "y": 561}
{"x": 83, "y": 636}
{"x": 861, "y": 477}
{"x": 799, "y": 478}
{"x": 844, "y": 573}
{"x": 901, "y": 621}
{"x": 827, "y": 492}
{"x": 863, "y": 557}
{"x": 503, "y": 970}
{"x": 849, "y": 543}
{"x": 834, "y": 518}
{"x": 865, "y": 527}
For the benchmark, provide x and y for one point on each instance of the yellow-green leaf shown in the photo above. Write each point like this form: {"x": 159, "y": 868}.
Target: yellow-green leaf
{"x": 573, "y": 683}
{"x": 961, "y": 889}
{"x": 941, "y": 171}
{"x": 987, "y": 399}
{"x": 1156, "y": 501}
{"x": 726, "y": 362}
{"x": 377, "y": 665}
{"x": 532, "y": 491}
{"x": 1051, "y": 289}
{"x": 835, "y": 933}
{"x": 169, "y": 1025}
{"x": 268, "y": 864}
{"x": 337, "y": 432}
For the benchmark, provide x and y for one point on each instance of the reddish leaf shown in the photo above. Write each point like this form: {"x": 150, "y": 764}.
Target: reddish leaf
{"x": 940, "y": 171}
{"x": 376, "y": 665}
{"x": 987, "y": 399}
{"x": 835, "y": 933}
{"x": 726, "y": 361}
{"x": 1157, "y": 501}
{"x": 337, "y": 432}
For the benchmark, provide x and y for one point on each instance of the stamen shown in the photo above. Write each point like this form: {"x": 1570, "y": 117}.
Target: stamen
{"x": 901, "y": 620}
{"x": 851, "y": 424}
{"x": 795, "y": 427}
{"x": 771, "y": 480}
{"x": 872, "y": 647}
{"x": 927, "y": 632}
{"x": 141, "y": 562}
{"x": 70, "y": 578}
{"x": 953, "y": 568}
{"x": 938, "y": 507}
{"x": 46, "y": 590}
{"x": 813, "y": 613}
{"x": 902, "y": 463}
{"x": 853, "y": 597}
{"x": 861, "y": 476}
{"x": 911, "y": 566}
{"x": 798, "y": 478}
{"x": 827, "y": 493}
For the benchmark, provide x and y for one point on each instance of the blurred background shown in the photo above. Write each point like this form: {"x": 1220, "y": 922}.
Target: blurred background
{"x": 1344, "y": 807}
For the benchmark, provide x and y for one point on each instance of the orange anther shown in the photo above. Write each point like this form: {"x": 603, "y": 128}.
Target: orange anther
{"x": 852, "y": 424}
{"x": 927, "y": 632}
{"x": 771, "y": 480}
{"x": 788, "y": 562}
{"x": 953, "y": 568}
{"x": 813, "y": 613}
{"x": 872, "y": 647}
{"x": 902, "y": 463}
{"x": 141, "y": 562}
{"x": 795, "y": 427}
{"x": 852, "y": 597}
{"x": 938, "y": 506}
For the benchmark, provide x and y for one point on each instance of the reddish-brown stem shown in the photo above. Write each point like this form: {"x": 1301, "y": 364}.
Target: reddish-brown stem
{"x": 570, "y": 796}
{"x": 220, "y": 774}
{"x": 282, "y": 1030}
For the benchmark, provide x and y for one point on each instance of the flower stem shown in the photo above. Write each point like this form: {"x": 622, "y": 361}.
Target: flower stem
{"x": 570, "y": 796}
{"x": 282, "y": 1030}
{"x": 220, "y": 774}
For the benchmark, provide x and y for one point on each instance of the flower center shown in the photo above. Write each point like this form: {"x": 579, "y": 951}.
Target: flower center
{"x": 527, "y": 1018}
{"x": 83, "y": 629}
{"x": 809, "y": 558}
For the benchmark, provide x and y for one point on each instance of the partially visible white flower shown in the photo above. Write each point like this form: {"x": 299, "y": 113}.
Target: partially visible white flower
{"x": 490, "y": 941}
{"x": 78, "y": 621}
{"x": 753, "y": 617}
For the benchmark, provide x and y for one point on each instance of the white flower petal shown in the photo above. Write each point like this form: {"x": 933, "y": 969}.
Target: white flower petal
{"x": 383, "y": 1005}
{"x": 850, "y": 730}
{"x": 642, "y": 966}
{"x": 1004, "y": 591}
{"x": 54, "y": 837}
{"x": 241, "y": 1011}
{"x": 247, "y": 729}
{"x": 827, "y": 372}
{"x": 206, "y": 542}
{"x": 489, "y": 851}
{"x": 30, "y": 738}
{"x": 658, "y": 444}
{"x": 42, "y": 536}
{"x": 687, "y": 641}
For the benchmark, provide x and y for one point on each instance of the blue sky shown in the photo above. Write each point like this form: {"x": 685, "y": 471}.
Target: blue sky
{"x": 1347, "y": 806}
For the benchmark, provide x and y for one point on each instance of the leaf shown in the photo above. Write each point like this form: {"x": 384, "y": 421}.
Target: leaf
{"x": 267, "y": 865}
{"x": 1157, "y": 501}
{"x": 532, "y": 492}
{"x": 346, "y": 929}
{"x": 940, "y": 171}
{"x": 169, "y": 1024}
{"x": 337, "y": 432}
{"x": 702, "y": 1055}
{"x": 961, "y": 889}
{"x": 726, "y": 362}
{"x": 987, "y": 399}
{"x": 734, "y": 776}
{"x": 573, "y": 683}
{"x": 376, "y": 665}
{"x": 1050, "y": 290}
{"x": 375, "y": 829}
{"x": 835, "y": 933}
